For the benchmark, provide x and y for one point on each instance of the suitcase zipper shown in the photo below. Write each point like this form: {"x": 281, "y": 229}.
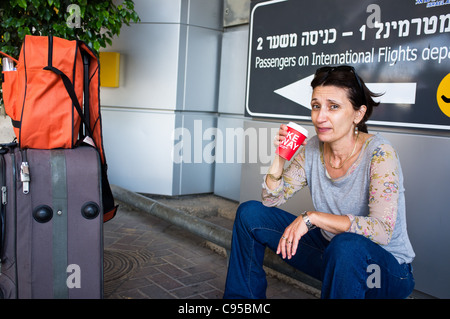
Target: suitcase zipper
{"x": 4, "y": 148}
{"x": 2, "y": 210}
{"x": 25, "y": 172}
{"x": 4, "y": 195}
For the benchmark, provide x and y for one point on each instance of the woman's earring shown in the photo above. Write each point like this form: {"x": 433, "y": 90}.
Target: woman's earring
{"x": 356, "y": 130}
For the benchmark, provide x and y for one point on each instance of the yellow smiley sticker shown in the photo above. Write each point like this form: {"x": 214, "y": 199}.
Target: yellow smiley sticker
{"x": 443, "y": 95}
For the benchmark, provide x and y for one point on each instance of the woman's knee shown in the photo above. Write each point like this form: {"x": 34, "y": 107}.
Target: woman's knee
{"x": 247, "y": 212}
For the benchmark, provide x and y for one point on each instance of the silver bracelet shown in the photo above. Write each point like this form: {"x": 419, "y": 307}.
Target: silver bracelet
{"x": 307, "y": 221}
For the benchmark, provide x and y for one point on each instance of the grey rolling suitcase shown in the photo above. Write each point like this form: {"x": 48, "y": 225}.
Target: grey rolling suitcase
{"x": 51, "y": 224}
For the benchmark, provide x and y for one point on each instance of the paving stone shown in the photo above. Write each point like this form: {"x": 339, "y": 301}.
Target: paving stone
{"x": 163, "y": 261}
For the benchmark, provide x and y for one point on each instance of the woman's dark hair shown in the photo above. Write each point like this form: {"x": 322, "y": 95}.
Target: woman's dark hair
{"x": 346, "y": 77}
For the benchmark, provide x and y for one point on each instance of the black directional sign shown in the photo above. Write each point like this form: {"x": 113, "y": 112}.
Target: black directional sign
{"x": 400, "y": 48}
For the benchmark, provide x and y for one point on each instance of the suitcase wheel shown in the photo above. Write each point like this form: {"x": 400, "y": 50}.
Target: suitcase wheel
{"x": 90, "y": 210}
{"x": 42, "y": 214}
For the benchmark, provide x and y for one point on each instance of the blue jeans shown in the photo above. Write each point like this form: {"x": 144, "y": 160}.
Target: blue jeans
{"x": 349, "y": 266}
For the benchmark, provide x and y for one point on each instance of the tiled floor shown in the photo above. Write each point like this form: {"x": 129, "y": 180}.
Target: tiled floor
{"x": 146, "y": 257}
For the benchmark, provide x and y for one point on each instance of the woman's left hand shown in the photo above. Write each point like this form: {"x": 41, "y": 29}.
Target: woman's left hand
{"x": 288, "y": 243}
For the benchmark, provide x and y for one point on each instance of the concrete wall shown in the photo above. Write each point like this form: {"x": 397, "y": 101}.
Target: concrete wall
{"x": 169, "y": 73}
{"x": 231, "y": 111}
{"x": 6, "y": 129}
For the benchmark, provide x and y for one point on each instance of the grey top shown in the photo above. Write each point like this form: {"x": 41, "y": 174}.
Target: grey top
{"x": 371, "y": 193}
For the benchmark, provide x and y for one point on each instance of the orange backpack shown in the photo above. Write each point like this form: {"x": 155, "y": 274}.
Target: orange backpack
{"x": 53, "y": 99}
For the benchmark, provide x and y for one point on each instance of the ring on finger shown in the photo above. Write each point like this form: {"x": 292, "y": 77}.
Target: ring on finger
{"x": 282, "y": 237}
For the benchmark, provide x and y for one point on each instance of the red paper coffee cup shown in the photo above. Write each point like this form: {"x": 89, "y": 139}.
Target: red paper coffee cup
{"x": 295, "y": 137}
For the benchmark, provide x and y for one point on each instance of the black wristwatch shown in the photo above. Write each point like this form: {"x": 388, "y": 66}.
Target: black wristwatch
{"x": 307, "y": 221}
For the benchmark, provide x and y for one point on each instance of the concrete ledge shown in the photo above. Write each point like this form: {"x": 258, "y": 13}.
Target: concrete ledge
{"x": 209, "y": 231}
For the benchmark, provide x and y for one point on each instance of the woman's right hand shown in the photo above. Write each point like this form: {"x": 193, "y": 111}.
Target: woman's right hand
{"x": 281, "y": 136}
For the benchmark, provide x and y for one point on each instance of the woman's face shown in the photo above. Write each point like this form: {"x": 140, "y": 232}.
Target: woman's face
{"x": 332, "y": 113}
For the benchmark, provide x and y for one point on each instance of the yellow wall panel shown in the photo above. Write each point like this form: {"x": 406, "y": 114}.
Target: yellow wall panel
{"x": 109, "y": 69}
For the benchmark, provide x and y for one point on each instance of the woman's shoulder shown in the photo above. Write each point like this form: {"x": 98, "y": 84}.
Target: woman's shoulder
{"x": 376, "y": 140}
{"x": 377, "y": 145}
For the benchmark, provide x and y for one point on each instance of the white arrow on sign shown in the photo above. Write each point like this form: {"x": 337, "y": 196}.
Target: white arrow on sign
{"x": 299, "y": 92}
{"x": 394, "y": 93}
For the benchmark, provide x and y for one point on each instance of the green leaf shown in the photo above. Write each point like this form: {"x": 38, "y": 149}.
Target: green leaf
{"x": 96, "y": 45}
{"x": 22, "y": 3}
{"x": 23, "y": 31}
{"x": 6, "y": 37}
{"x": 135, "y": 17}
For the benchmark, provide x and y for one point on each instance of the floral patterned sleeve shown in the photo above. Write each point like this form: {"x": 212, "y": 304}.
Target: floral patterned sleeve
{"x": 383, "y": 198}
{"x": 293, "y": 180}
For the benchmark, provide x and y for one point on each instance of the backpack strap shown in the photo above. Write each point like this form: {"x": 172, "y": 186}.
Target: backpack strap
{"x": 87, "y": 113}
{"x": 67, "y": 84}
{"x": 8, "y": 56}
